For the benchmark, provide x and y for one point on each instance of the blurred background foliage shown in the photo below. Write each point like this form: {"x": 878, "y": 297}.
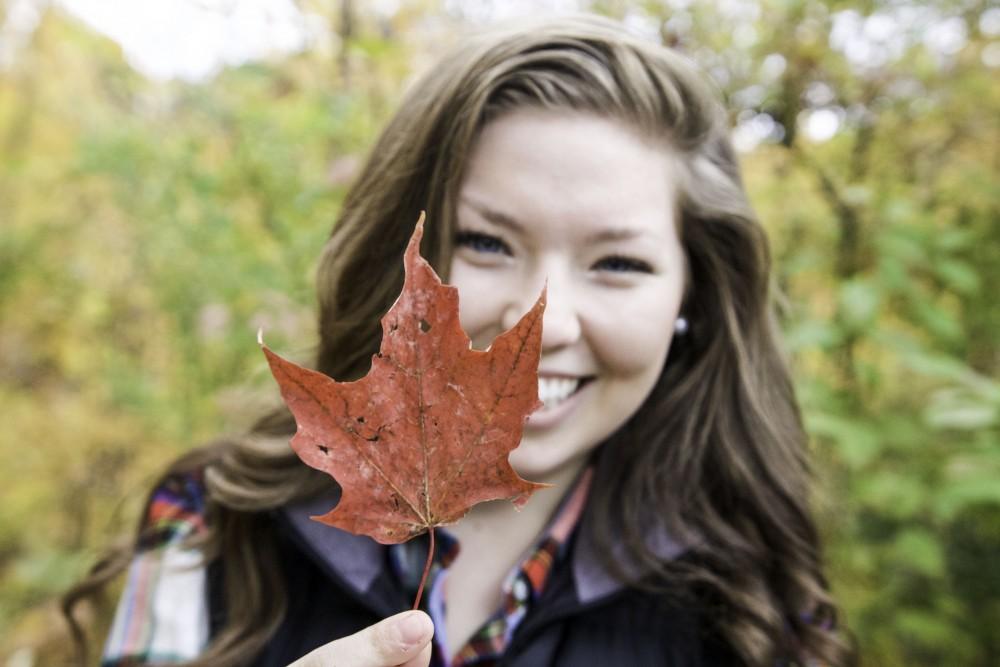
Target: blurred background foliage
{"x": 148, "y": 228}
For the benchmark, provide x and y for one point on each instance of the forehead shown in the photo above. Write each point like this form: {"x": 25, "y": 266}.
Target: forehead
{"x": 568, "y": 172}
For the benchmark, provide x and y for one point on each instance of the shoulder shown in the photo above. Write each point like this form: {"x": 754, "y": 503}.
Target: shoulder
{"x": 162, "y": 615}
{"x": 637, "y": 628}
{"x": 682, "y": 627}
{"x": 175, "y": 510}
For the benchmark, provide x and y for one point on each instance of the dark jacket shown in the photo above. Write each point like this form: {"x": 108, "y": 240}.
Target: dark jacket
{"x": 339, "y": 583}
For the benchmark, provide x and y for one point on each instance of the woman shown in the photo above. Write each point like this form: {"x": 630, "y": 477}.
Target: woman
{"x": 678, "y": 531}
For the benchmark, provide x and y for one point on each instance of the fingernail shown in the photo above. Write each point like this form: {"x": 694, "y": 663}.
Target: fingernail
{"x": 414, "y": 628}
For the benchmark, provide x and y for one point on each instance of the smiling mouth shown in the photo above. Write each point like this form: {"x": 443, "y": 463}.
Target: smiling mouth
{"x": 553, "y": 391}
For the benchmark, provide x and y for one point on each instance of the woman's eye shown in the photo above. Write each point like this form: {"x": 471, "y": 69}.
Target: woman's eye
{"x": 619, "y": 264}
{"x": 480, "y": 242}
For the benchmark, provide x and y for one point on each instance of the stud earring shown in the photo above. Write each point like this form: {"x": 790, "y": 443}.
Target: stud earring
{"x": 680, "y": 326}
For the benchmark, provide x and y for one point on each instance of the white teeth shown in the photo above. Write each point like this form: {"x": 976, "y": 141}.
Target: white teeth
{"x": 553, "y": 391}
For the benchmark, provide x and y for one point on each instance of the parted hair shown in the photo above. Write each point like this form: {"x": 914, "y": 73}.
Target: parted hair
{"x": 716, "y": 455}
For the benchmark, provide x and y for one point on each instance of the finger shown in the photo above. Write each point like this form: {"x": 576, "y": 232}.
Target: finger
{"x": 393, "y": 641}
{"x": 423, "y": 659}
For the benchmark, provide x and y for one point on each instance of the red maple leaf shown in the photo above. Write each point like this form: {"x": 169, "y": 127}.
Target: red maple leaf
{"x": 426, "y": 434}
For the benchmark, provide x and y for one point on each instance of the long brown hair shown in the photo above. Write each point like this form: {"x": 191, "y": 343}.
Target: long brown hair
{"x": 716, "y": 454}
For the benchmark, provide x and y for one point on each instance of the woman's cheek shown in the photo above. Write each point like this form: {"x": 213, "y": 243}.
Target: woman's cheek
{"x": 636, "y": 352}
{"x": 635, "y": 337}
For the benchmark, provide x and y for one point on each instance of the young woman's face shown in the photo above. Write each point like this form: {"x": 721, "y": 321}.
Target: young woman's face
{"x": 589, "y": 206}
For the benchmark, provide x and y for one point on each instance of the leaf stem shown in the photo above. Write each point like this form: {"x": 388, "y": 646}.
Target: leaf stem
{"x": 427, "y": 569}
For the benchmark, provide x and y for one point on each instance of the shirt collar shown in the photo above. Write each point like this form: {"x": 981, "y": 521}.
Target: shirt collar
{"x": 407, "y": 559}
{"x": 358, "y": 560}
{"x": 592, "y": 578}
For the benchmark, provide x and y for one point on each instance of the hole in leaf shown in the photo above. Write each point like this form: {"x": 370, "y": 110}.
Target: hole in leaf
{"x": 325, "y": 450}
{"x": 425, "y": 326}
{"x": 373, "y": 438}
{"x": 361, "y": 420}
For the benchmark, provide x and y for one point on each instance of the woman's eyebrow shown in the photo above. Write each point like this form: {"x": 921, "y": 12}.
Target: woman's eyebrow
{"x": 614, "y": 234}
{"x": 496, "y": 217}
{"x": 600, "y": 236}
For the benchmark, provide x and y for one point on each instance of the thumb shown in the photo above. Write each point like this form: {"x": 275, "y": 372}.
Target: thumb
{"x": 393, "y": 641}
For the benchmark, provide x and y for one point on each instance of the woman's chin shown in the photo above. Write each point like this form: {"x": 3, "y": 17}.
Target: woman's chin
{"x": 535, "y": 462}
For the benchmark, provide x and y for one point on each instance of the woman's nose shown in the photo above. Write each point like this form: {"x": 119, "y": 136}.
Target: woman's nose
{"x": 561, "y": 321}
